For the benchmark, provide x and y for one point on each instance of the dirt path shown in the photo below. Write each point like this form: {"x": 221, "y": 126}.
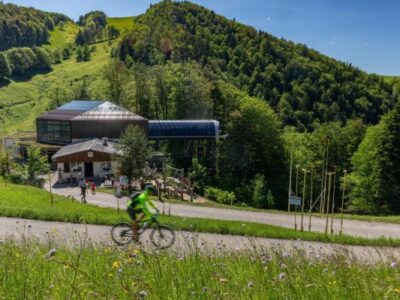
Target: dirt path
{"x": 57, "y": 234}
{"x": 350, "y": 227}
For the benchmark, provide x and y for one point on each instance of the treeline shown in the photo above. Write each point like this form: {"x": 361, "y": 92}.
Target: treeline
{"x": 304, "y": 87}
{"x": 253, "y": 156}
{"x": 21, "y": 26}
{"x": 25, "y": 61}
{"x": 95, "y": 28}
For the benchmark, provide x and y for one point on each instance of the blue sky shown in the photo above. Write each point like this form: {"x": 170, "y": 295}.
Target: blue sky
{"x": 362, "y": 32}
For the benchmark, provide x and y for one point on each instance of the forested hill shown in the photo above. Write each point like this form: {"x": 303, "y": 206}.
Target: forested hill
{"x": 303, "y": 86}
{"x": 21, "y": 26}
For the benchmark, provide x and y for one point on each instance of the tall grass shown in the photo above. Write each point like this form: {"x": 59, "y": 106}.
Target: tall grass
{"x": 31, "y": 271}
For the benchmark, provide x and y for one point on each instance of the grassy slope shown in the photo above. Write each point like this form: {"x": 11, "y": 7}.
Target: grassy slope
{"x": 122, "y": 24}
{"x": 32, "y": 93}
{"x": 33, "y": 203}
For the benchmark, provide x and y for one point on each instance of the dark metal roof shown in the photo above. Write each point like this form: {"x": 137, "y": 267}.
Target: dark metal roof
{"x": 176, "y": 129}
{"x": 62, "y": 115}
{"x": 95, "y": 145}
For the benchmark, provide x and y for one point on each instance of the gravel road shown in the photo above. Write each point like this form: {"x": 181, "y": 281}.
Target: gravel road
{"x": 56, "y": 234}
{"x": 350, "y": 227}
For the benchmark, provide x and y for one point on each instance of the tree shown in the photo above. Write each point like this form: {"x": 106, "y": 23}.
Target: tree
{"x": 198, "y": 175}
{"x": 262, "y": 196}
{"x": 376, "y": 176}
{"x": 36, "y": 165}
{"x": 5, "y": 70}
{"x": 116, "y": 77}
{"x": 134, "y": 150}
{"x": 79, "y": 55}
{"x": 43, "y": 58}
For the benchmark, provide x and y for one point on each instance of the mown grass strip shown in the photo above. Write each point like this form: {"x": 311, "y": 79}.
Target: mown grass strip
{"x": 33, "y": 203}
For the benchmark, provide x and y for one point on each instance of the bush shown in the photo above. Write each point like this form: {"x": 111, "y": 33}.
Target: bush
{"x": 220, "y": 196}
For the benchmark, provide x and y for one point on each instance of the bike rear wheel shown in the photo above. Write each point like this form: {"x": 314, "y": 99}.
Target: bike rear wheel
{"x": 122, "y": 234}
{"x": 162, "y": 237}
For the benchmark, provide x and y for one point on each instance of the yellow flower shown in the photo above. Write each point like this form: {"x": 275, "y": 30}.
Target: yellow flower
{"x": 397, "y": 290}
{"x": 116, "y": 264}
{"x": 136, "y": 251}
{"x": 110, "y": 275}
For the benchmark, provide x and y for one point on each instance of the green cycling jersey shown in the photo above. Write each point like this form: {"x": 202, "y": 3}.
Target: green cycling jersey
{"x": 142, "y": 203}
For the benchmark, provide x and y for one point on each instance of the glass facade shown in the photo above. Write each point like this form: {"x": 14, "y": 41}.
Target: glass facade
{"x": 53, "y": 132}
{"x": 183, "y": 129}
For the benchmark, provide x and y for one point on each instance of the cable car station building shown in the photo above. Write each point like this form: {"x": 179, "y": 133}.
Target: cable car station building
{"x": 83, "y": 135}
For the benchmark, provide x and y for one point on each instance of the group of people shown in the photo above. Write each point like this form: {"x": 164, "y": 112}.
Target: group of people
{"x": 84, "y": 184}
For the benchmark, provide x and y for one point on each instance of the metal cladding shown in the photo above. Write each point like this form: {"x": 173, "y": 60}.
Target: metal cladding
{"x": 183, "y": 129}
{"x": 79, "y": 120}
{"x": 82, "y": 120}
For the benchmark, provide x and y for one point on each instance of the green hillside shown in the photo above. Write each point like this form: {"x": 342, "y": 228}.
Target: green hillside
{"x": 303, "y": 86}
{"x": 122, "y": 24}
{"x": 23, "y": 99}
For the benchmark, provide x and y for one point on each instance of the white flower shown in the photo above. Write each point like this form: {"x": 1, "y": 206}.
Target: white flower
{"x": 393, "y": 265}
{"x": 143, "y": 294}
{"x": 325, "y": 270}
{"x": 282, "y": 276}
{"x": 283, "y": 266}
{"x": 250, "y": 284}
{"x": 51, "y": 253}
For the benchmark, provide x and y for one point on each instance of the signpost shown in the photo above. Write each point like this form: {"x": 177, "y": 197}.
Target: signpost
{"x": 296, "y": 201}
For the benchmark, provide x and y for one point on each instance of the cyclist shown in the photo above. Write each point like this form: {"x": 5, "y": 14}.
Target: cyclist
{"x": 138, "y": 207}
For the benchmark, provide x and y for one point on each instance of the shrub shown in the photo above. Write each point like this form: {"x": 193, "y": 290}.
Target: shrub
{"x": 219, "y": 196}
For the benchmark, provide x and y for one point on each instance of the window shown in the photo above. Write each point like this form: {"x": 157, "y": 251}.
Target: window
{"x": 106, "y": 165}
{"x": 66, "y": 168}
{"x": 54, "y": 132}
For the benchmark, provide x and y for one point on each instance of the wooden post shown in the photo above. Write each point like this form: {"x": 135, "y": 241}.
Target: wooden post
{"x": 329, "y": 198}
{"x": 311, "y": 197}
{"x": 333, "y": 199}
{"x": 295, "y": 208}
{"x": 164, "y": 174}
{"x": 51, "y": 192}
{"x": 344, "y": 188}
{"x": 290, "y": 178}
{"x": 303, "y": 199}
{"x": 181, "y": 182}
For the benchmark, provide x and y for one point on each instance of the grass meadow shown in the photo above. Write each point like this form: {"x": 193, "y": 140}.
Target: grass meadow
{"x": 33, "y": 203}
{"x": 32, "y": 271}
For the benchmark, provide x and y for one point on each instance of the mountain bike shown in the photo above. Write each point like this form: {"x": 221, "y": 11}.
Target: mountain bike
{"x": 161, "y": 236}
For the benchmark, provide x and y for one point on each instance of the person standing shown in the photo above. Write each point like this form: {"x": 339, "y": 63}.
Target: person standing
{"x": 93, "y": 188}
{"x": 82, "y": 185}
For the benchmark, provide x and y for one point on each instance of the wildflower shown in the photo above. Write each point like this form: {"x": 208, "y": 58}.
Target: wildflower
{"x": 143, "y": 294}
{"x": 325, "y": 270}
{"x": 283, "y": 266}
{"x": 110, "y": 275}
{"x": 51, "y": 253}
{"x": 116, "y": 264}
{"x": 397, "y": 290}
{"x": 250, "y": 284}
{"x": 393, "y": 265}
{"x": 282, "y": 276}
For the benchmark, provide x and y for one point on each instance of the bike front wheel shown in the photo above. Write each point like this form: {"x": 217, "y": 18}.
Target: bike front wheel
{"x": 122, "y": 234}
{"x": 162, "y": 237}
